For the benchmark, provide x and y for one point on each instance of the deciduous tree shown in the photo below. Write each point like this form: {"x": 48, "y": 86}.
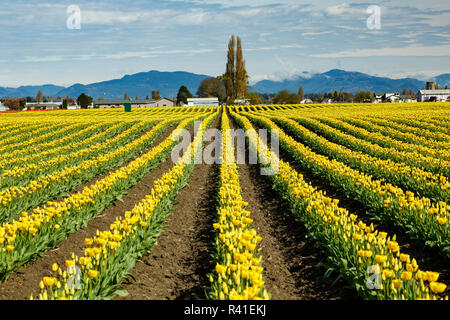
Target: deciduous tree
{"x": 39, "y": 97}
{"x": 235, "y": 77}
{"x": 255, "y": 98}
{"x": 155, "y": 95}
{"x": 84, "y": 101}
{"x": 286, "y": 97}
{"x": 15, "y": 103}
{"x": 301, "y": 94}
{"x": 241, "y": 72}
{"x": 363, "y": 96}
{"x": 230, "y": 73}
{"x": 183, "y": 95}
{"x": 212, "y": 87}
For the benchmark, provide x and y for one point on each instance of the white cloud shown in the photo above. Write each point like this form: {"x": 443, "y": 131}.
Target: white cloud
{"x": 292, "y": 46}
{"x": 108, "y": 18}
{"x": 410, "y": 51}
{"x": 43, "y": 59}
{"x": 309, "y": 34}
{"x": 410, "y": 35}
{"x": 116, "y": 55}
{"x": 420, "y": 75}
{"x": 443, "y": 35}
{"x": 155, "y": 17}
{"x": 435, "y": 20}
{"x": 343, "y": 8}
{"x": 248, "y": 12}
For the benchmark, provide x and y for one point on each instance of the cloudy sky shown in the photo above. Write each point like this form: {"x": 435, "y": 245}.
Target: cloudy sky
{"x": 281, "y": 38}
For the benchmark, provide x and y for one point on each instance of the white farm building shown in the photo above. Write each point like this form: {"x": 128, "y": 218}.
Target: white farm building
{"x": 199, "y": 102}
{"x": 434, "y": 95}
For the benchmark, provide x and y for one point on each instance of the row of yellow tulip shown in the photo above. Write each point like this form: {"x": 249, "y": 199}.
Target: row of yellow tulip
{"x": 239, "y": 273}
{"x": 413, "y": 139}
{"x": 23, "y": 176}
{"x": 81, "y": 139}
{"x": 408, "y": 128}
{"x": 442, "y": 122}
{"x": 45, "y": 227}
{"x": 54, "y": 134}
{"x": 369, "y": 259}
{"x": 426, "y": 111}
{"x": 427, "y": 123}
{"x": 65, "y": 143}
{"x": 15, "y": 199}
{"x": 112, "y": 114}
{"x": 41, "y": 134}
{"x": 411, "y": 158}
{"x": 420, "y": 152}
{"x": 10, "y": 130}
{"x": 27, "y": 155}
{"x": 419, "y": 216}
{"x": 113, "y": 252}
{"x": 423, "y": 183}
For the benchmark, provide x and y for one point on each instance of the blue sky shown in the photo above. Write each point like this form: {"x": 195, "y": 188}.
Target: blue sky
{"x": 280, "y": 38}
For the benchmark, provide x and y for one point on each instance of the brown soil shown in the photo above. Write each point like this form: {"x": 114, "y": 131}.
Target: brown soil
{"x": 25, "y": 280}
{"x": 179, "y": 262}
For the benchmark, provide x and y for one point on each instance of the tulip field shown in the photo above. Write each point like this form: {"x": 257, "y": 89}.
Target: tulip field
{"x": 357, "y": 204}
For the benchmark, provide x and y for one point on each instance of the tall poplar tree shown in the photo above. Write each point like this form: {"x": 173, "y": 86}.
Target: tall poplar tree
{"x": 39, "y": 97}
{"x": 241, "y": 73}
{"x": 301, "y": 94}
{"x": 230, "y": 74}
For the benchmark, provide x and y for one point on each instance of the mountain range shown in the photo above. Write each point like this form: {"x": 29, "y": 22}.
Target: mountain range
{"x": 142, "y": 84}
{"x": 346, "y": 81}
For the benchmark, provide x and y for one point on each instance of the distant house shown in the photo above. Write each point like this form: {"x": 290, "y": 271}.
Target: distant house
{"x": 206, "y": 102}
{"x": 305, "y": 101}
{"x": 163, "y": 102}
{"x": 327, "y": 101}
{"x": 3, "y": 108}
{"x": 391, "y": 97}
{"x": 43, "y": 105}
{"x": 407, "y": 98}
{"x": 377, "y": 97}
{"x": 242, "y": 101}
{"x": 142, "y": 103}
{"x": 433, "y": 95}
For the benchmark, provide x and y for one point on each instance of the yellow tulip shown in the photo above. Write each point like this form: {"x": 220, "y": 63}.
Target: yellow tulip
{"x": 397, "y": 283}
{"x": 432, "y": 276}
{"x": 69, "y": 263}
{"x": 49, "y": 281}
{"x": 388, "y": 273}
{"x": 406, "y": 275}
{"x": 92, "y": 274}
{"x": 221, "y": 268}
{"x": 380, "y": 258}
{"x": 404, "y": 257}
{"x": 437, "y": 287}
